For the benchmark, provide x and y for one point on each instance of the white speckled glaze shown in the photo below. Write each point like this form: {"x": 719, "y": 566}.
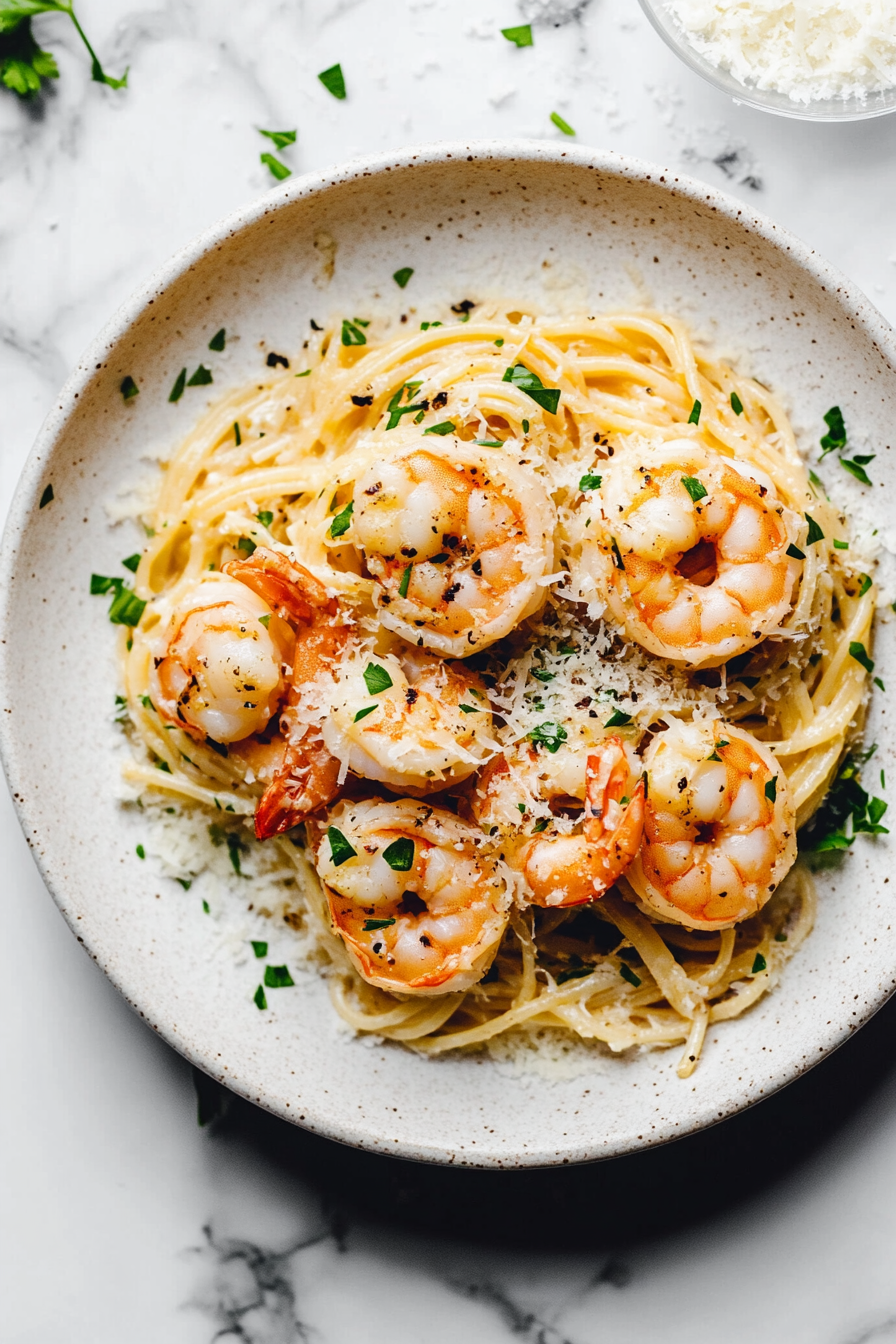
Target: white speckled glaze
{"x": 549, "y": 227}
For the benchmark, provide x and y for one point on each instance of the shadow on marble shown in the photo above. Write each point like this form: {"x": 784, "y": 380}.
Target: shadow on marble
{"x": 764, "y": 1146}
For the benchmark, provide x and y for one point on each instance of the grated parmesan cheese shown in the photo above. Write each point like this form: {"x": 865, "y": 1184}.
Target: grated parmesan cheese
{"x": 805, "y": 49}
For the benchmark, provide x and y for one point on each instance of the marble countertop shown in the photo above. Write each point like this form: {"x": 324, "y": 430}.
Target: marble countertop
{"x": 123, "y": 1218}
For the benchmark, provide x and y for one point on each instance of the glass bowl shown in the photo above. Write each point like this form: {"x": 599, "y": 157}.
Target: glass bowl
{"x": 821, "y": 109}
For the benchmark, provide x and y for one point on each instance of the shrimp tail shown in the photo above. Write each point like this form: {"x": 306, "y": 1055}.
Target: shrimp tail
{"x": 307, "y": 779}
{"x": 289, "y": 589}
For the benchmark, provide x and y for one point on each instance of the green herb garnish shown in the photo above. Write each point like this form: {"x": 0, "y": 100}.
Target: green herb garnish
{"x": 840, "y": 545}
{"x": 333, "y": 81}
{"x": 265, "y": 517}
{"x": 444, "y": 427}
{"x": 589, "y": 482}
{"x": 520, "y": 36}
{"x": 530, "y": 383}
{"x": 402, "y": 277}
{"x": 396, "y": 410}
{"x": 836, "y": 435}
{"x": 247, "y": 546}
{"x": 400, "y": 854}
{"x": 737, "y": 405}
{"x": 561, "y": 124}
{"x": 277, "y": 977}
{"x": 180, "y": 383}
{"x": 141, "y": 852}
{"x": 405, "y": 582}
{"x": 771, "y": 789}
{"x": 342, "y": 522}
{"x": 260, "y": 949}
{"x": 22, "y": 62}
{"x": 628, "y": 974}
{"x": 352, "y": 333}
{"x": 815, "y": 533}
{"x": 847, "y": 811}
{"x": 795, "y": 553}
{"x": 866, "y": 584}
{"x": 47, "y": 497}
{"x": 340, "y": 849}
{"x": 259, "y": 999}
{"x": 696, "y": 489}
{"x": 201, "y": 378}
{"x": 217, "y": 342}
{"x": 856, "y": 467}
{"x": 540, "y": 674}
{"x": 574, "y": 973}
{"x": 362, "y": 713}
{"x": 371, "y": 924}
{"x": 550, "y": 735}
{"x": 617, "y": 719}
{"x": 281, "y": 139}
{"x": 276, "y": 167}
{"x": 860, "y": 653}
{"x": 128, "y": 387}
{"x": 694, "y": 417}
{"x": 376, "y": 678}
{"x": 132, "y": 562}
{"x": 759, "y": 964}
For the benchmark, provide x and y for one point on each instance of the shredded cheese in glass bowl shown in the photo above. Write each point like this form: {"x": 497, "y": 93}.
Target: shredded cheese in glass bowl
{"x": 818, "y": 60}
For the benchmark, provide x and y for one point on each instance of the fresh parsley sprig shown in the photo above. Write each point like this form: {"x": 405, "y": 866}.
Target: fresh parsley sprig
{"x": 23, "y": 64}
{"x": 847, "y": 811}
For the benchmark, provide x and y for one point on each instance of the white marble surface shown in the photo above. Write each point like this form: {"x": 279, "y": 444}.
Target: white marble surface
{"x": 121, "y": 1218}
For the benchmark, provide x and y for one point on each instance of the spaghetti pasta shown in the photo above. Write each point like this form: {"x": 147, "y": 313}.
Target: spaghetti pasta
{"x": 343, "y": 467}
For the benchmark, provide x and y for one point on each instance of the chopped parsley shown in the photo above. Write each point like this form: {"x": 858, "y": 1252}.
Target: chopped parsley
{"x": 141, "y": 852}
{"x": 628, "y": 974}
{"x": 840, "y": 545}
{"x": 333, "y": 80}
{"x": 219, "y": 339}
{"x": 759, "y": 964}
{"x": 540, "y": 674}
{"x": 444, "y": 427}
{"x": 550, "y": 735}
{"x": 185, "y": 882}
{"x": 396, "y": 410}
{"x": 737, "y": 405}
{"x": 352, "y": 333}
{"x": 696, "y": 489}
{"x": 276, "y": 167}
{"x": 201, "y": 378}
{"x": 234, "y": 846}
{"x": 525, "y": 426}
{"x": 277, "y": 977}
{"x": 343, "y": 521}
{"x": 815, "y": 533}
{"x": 836, "y": 435}
{"x": 129, "y": 388}
{"x": 561, "y": 124}
{"x": 362, "y": 713}
{"x": 265, "y": 620}
{"x": 694, "y": 417}
{"x": 259, "y": 999}
{"x": 520, "y": 36}
{"x": 405, "y": 582}
{"x": 548, "y": 398}
{"x": 265, "y": 517}
{"x": 499, "y": 341}
{"x": 617, "y": 719}
{"x": 541, "y": 825}
{"x": 589, "y": 482}
{"x": 247, "y": 546}
{"x": 371, "y": 924}
{"x": 340, "y": 849}
{"x": 23, "y": 64}
{"x": 856, "y": 467}
{"x": 858, "y": 651}
{"x": 260, "y": 949}
{"x": 771, "y": 789}
{"x": 180, "y": 383}
{"x": 400, "y": 854}
{"x": 866, "y": 584}
{"x": 376, "y": 678}
{"x": 126, "y": 608}
{"x": 795, "y": 553}
{"x": 573, "y": 973}
{"x": 281, "y": 139}
{"x": 402, "y": 276}
{"x": 47, "y": 497}
{"x": 847, "y": 811}
{"x": 469, "y": 709}
{"x": 132, "y": 562}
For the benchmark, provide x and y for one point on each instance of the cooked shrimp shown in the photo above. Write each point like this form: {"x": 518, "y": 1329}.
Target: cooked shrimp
{"x": 719, "y": 826}
{"x": 697, "y": 555}
{"x": 562, "y": 868}
{"x": 409, "y": 720}
{"x": 241, "y": 647}
{"x": 458, "y": 539}
{"x": 300, "y": 773}
{"x": 420, "y": 908}
{"x": 218, "y": 666}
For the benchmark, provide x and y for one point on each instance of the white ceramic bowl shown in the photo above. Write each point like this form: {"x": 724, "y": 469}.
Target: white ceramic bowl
{"x": 768, "y": 100}
{"x": 540, "y": 225}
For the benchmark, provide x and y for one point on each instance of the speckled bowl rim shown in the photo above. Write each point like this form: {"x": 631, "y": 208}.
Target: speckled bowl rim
{"x": 856, "y": 308}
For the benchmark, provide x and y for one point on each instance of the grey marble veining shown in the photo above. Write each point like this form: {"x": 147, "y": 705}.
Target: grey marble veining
{"x": 124, "y": 1219}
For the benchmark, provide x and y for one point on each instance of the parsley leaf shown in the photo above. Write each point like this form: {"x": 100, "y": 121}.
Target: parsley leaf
{"x": 402, "y": 276}
{"x": 47, "y": 497}
{"x": 129, "y": 388}
{"x": 530, "y": 383}
{"x": 574, "y": 973}
{"x": 219, "y": 340}
{"x": 860, "y": 653}
{"x": 333, "y": 81}
{"x": 696, "y": 489}
{"x": 340, "y": 849}
{"x": 371, "y": 924}
{"x": 444, "y": 427}
{"x": 352, "y": 333}
{"x": 276, "y": 167}
{"x": 362, "y": 713}
{"x": 589, "y": 482}
{"x": 815, "y": 532}
{"x": 400, "y": 854}
{"x": 260, "y": 949}
{"x": 771, "y": 789}
{"x": 856, "y": 467}
{"x": 550, "y": 735}
{"x": 737, "y": 405}
{"x": 396, "y": 410}
{"x": 836, "y": 435}
{"x": 22, "y": 63}
{"x": 277, "y": 977}
{"x": 694, "y": 417}
{"x": 259, "y": 999}
{"x": 617, "y": 719}
{"x": 795, "y": 553}
{"x": 281, "y": 139}
{"x": 521, "y": 36}
{"x": 132, "y": 562}
{"x": 265, "y": 517}
{"x": 180, "y": 383}
{"x": 405, "y": 582}
{"x": 376, "y": 678}
{"x": 343, "y": 521}
{"x": 759, "y": 964}
{"x": 628, "y": 974}
{"x": 561, "y": 124}
{"x": 201, "y": 378}
{"x": 846, "y": 812}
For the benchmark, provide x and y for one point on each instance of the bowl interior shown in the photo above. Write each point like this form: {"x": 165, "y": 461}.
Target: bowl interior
{"x": 546, "y": 229}
{"x": 769, "y": 100}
